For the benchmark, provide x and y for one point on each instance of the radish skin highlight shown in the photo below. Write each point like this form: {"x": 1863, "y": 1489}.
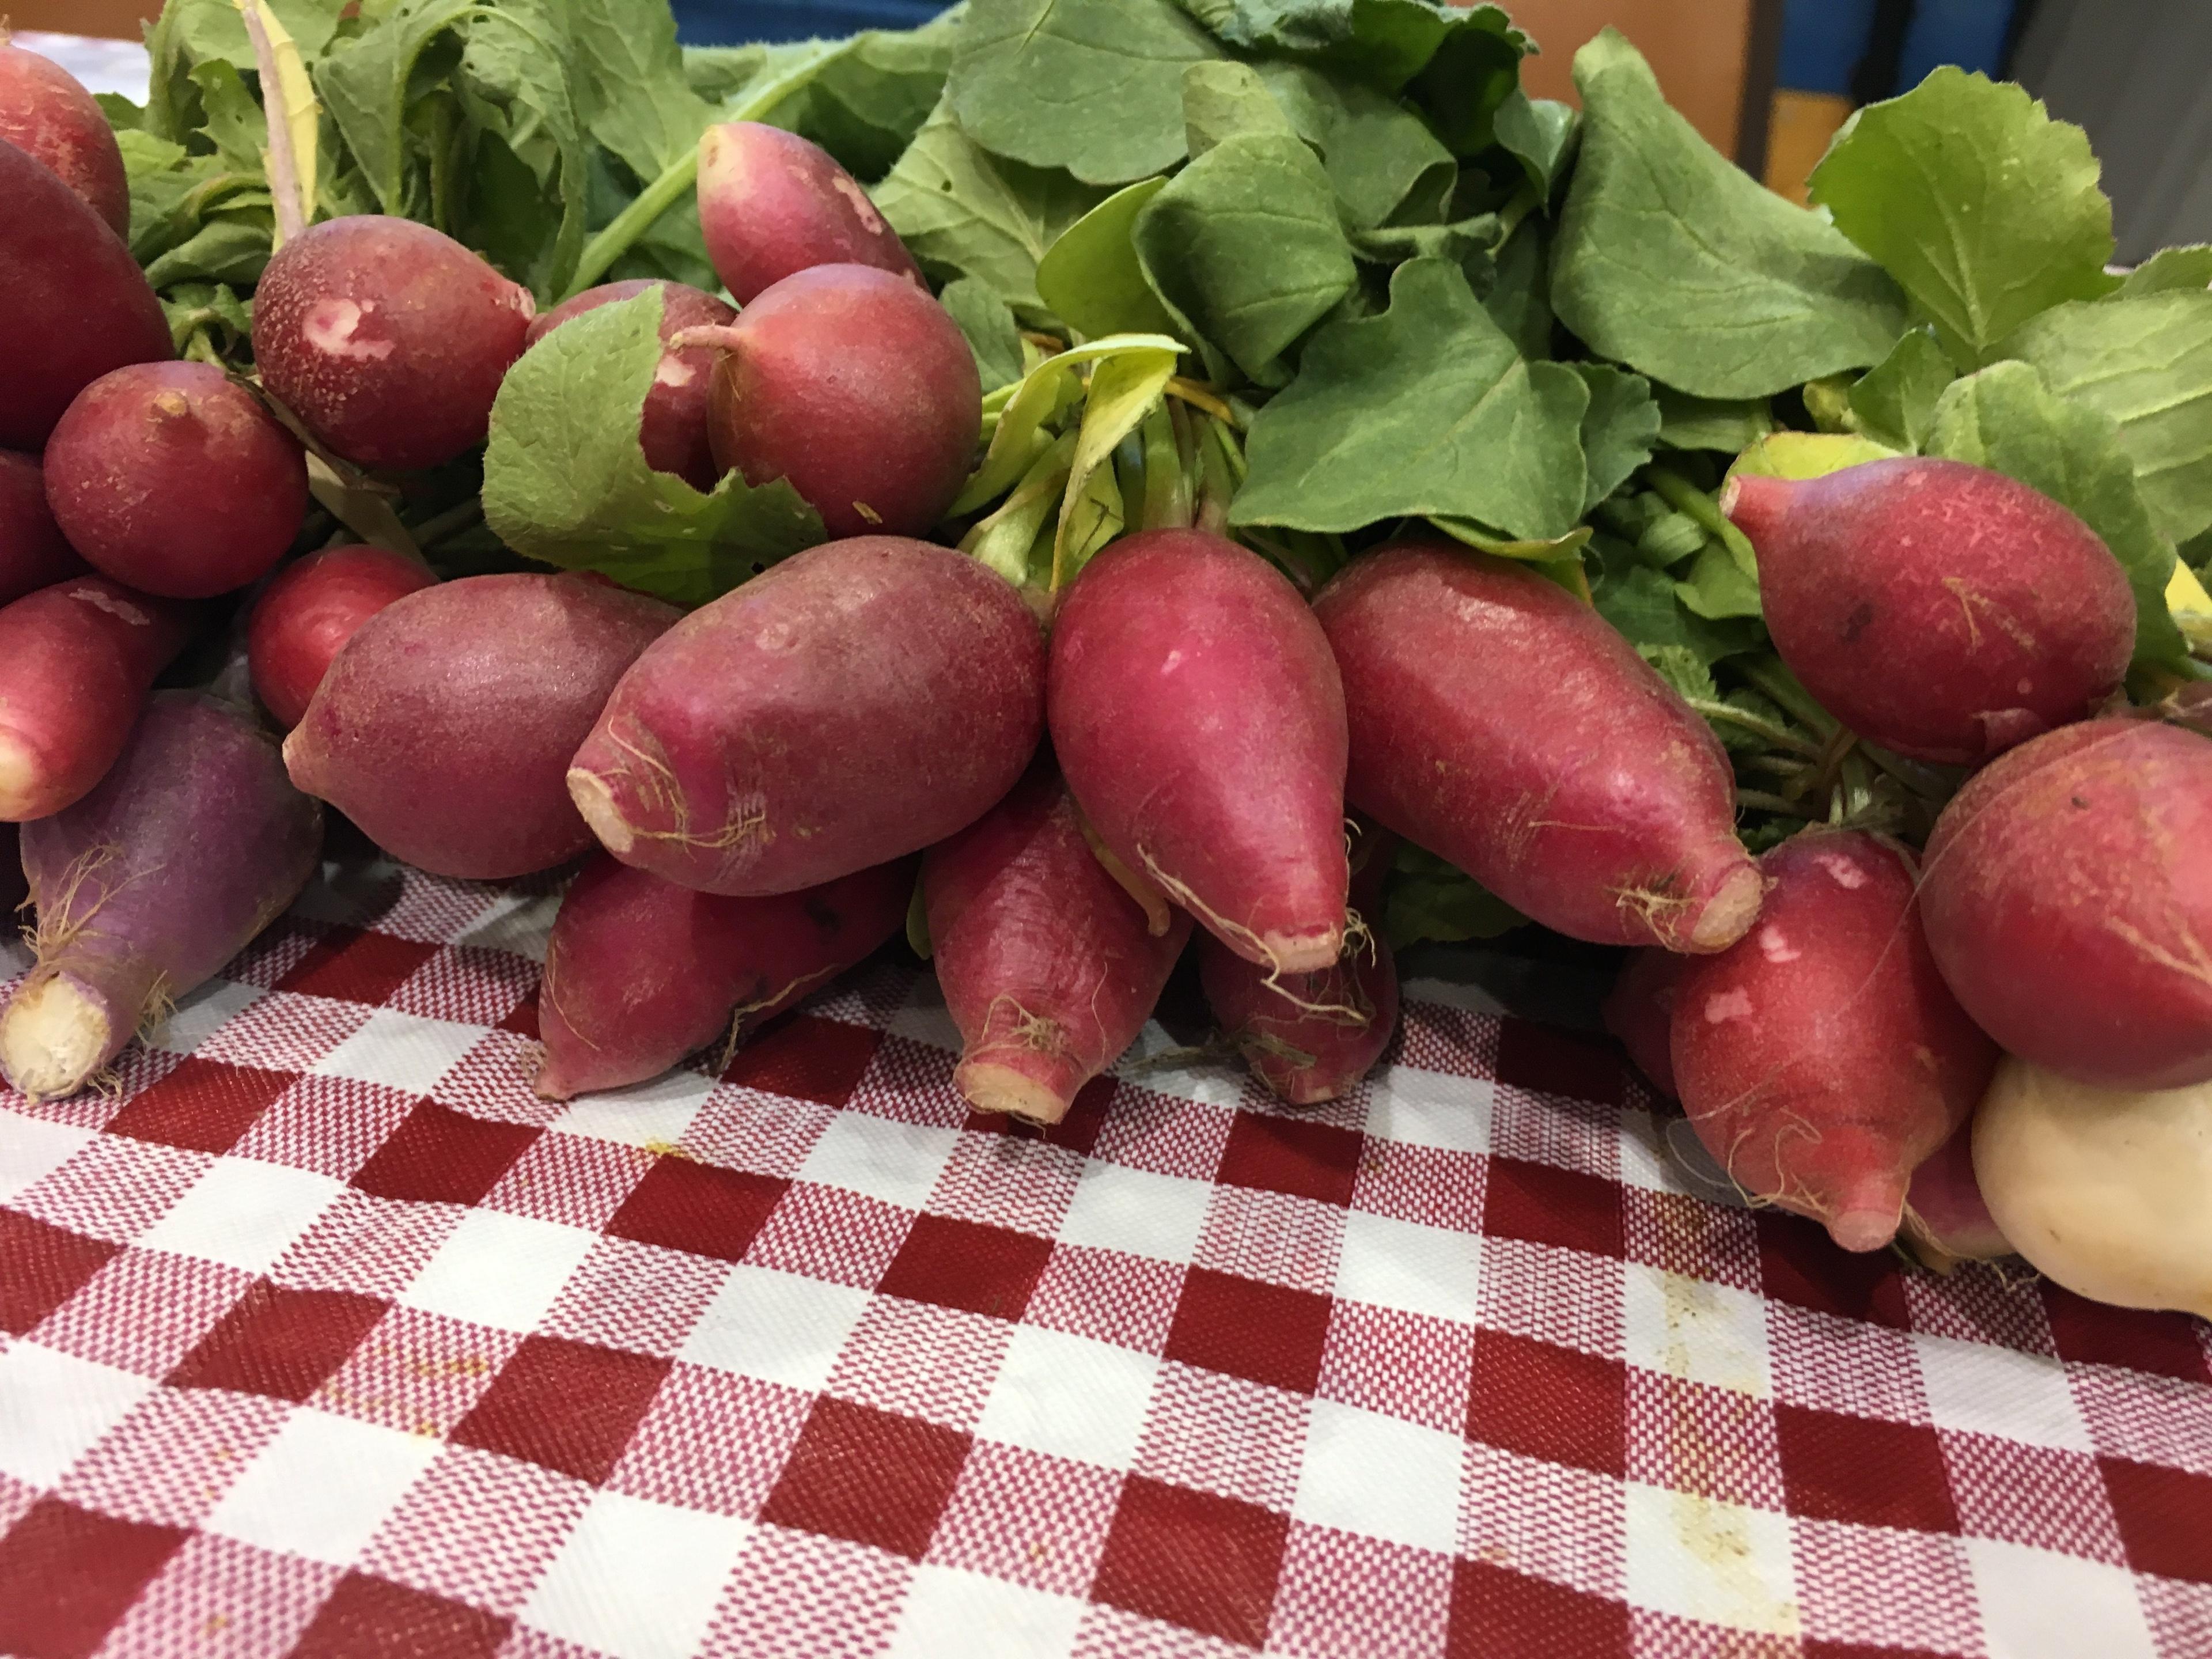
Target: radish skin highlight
{"x": 191, "y": 845}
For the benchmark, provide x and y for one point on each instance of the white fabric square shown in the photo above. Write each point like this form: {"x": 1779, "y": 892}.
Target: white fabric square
{"x": 1410, "y": 1267}
{"x": 517, "y": 923}
{"x": 1137, "y": 1212}
{"x": 1451, "y": 994}
{"x": 923, "y": 1018}
{"x": 897, "y": 1162}
{"x": 1068, "y": 1396}
{"x": 654, "y": 1113}
{"x": 200, "y": 1015}
{"x": 1430, "y": 1108}
{"x": 243, "y": 1212}
{"x": 323, "y": 1487}
{"x": 500, "y": 1270}
{"x": 2039, "y": 1604}
{"x": 637, "y": 1579}
{"x": 1700, "y": 1331}
{"x": 779, "y": 1327}
{"x": 2001, "y": 1392}
{"x": 401, "y": 1051}
{"x": 949, "y": 1610}
{"x": 1719, "y": 1562}
{"x": 32, "y": 1148}
{"x": 1381, "y": 1477}
{"x": 53, "y": 1406}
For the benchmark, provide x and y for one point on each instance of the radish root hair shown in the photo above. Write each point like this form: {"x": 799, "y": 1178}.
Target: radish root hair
{"x": 745, "y": 1010}
{"x": 59, "y": 925}
{"x": 1027, "y": 1029}
{"x": 1181, "y": 894}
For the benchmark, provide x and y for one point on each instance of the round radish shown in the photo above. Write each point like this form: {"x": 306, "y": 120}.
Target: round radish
{"x": 1946, "y": 1220}
{"x": 33, "y": 552}
{"x": 771, "y": 203}
{"x": 303, "y": 619}
{"x": 46, "y": 112}
{"x": 674, "y": 429}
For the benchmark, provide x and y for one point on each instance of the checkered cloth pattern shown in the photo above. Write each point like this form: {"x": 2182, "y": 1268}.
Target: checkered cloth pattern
{"x": 321, "y": 1336}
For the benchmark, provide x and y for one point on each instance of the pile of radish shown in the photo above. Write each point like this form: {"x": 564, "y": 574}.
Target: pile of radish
{"x": 1036, "y": 699}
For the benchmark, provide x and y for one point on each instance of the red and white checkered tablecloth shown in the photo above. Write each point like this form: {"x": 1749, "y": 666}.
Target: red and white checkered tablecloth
{"x": 321, "y": 1336}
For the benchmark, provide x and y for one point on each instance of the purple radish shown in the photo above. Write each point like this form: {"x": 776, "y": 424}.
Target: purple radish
{"x": 771, "y": 203}
{"x": 674, "y": 429}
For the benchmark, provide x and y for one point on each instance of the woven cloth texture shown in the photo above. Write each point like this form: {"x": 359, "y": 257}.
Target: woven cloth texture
{"x": 321, "y": 1336}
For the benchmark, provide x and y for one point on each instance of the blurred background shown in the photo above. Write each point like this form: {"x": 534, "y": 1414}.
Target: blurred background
{"x": 1768, "y": 82}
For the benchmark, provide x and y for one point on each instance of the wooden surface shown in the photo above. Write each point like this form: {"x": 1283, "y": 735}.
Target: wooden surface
{"x": 1702, "y": 52}
{"x": 117, "y": 19}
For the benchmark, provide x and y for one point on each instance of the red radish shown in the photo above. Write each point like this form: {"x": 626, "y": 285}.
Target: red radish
{"x": 673, "y": 429}
{"x": 303, "y": 619}
{"x": 1938, "y": 608}
{"x": 856, "y": 703}
{"x": 1199, "y": 721}
{"x": 641, "y": 972}
{"x": 1640, "y": 1013}
{"x": 1049, "y": 967}
{"x": 188, "y": 848}
{"x": 2068, "y": 902}
{"x": 33, "y": 552}
{"x": 1502, "y": 724}
{"x": 78, "y": 306}
{"x": 859, "y": 388}
{"x": 1822, "y": 1060}
{"x": 46, "y": 112}
{"x": 444, "y": 726}
{"x": 387, "y": 338}
{"x": 174, "y": 478}
{"x": 1946, "y": 1222}
{"x": 770, "y": 203}
{"x": 76, "y": 660}
{"x": 13, "y": 886}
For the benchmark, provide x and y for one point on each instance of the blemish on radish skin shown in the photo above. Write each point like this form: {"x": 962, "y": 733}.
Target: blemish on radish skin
{"x": 115, "y": 607}
{"x": 1842, "y": 871}
{"x": 870, "y": 221}
{"x": 330, "y": 328}
{"x": 1174, "y": 661}
{"x": 1774, "y": 945}
{"x": 674, "y": 371}
{"x": 1726, "y": 1006}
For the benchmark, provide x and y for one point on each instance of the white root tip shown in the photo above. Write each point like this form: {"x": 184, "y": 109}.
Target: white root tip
{"x": 1862, "y": 1231}
{"x": 21, "y": 777}
{"x": 1727, "y": 915}
{"x": 53, "y": 1038}
{"x": 1301, "y": 953}
{"x": 990, "y": 1088}
{"x": 596, "y": 804}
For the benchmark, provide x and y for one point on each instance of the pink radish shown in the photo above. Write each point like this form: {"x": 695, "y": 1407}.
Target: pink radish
{"x": 387, "y": 338}
{"x": 1946, "y": 1221}
{"x": 188, "y": 848}
{"x": 1822, "y": 1060}
{"x": 770, "y": 203}
{"x": 174, "y": 478}
{"x": 1503, "y": 725}
{"x": 78, "y": 306}
{"x": 2068, "y": 902}
{"x": 1938, "y": 608}
{"x": 46, "y": 112}
{"x": 1199, "y": 721}
{"x": 1049, "y": 967}
{"x": 303, "y": 619}
{"x": 76, "y": 660}
{"x": 856, "y": 703}
{"x": 674, "y": 429}
{"x": 1640, "y": 1014}
{"x": 444, "y": 726}
{"x": 33, "y": 552}
{"x": 641, "y": 973}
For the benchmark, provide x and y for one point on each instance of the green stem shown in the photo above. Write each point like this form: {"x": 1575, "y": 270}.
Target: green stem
{"x": 1685, "y": 498}
{"x": 1759, "y": 800}
{"x": 1769, "y": 675}
{"x": 1780, "y": 736}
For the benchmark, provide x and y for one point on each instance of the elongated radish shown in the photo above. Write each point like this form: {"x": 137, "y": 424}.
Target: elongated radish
{"x": 1946, "y": 1221}
{"x": 771, "y": 203}
{"x": 672, "y": 430}
{"x": 33, "y": 552}
{"x": 46, "y": 113}
{"x": 1050, "y": 968}
{"x": 191, "y": 846}
{"x": 1940, "y": 610}
{"x": 174, "y": 478}
{"x": 1821, "y": 1058}
{"x": 303, "y": 619}
{"x": 444, "y": 726}
{"x": 1502, "y": 724}
{"x": 1199, "y": 719}
{"x": 76, "y": 660}
{"x": 78, "y": 306}
{"x": 2068, "y": 902}
{"x": 640, "y": 972}
{"x": 856, "y": 703}
{"x": 1640, "y": 1014}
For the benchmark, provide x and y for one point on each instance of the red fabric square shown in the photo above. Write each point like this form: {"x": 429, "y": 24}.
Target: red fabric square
{"x": 2164, "y": 1517}
{"x": 280, "y": 1342}
{"x": 870, "y": 1476}
{"x": 1293, "y": 1155}
{"x": 1263, "y": 1332}
{"x": 2090, "y": 1332}
{"x": 372, "y": 1617}
{"x": 1208, "y": 1564}
{"x": 964, "y": 1264}
{"x": 1836, "y": 1466}
{"x": 1555, "y": 1062}
{"x": 439, "y": 1156}
{"x": 348, "y": 965}
{"x": 566, "y": 1406}
{"x": 522, "y": 1020}
{"x": 684, "y": 1205}
{"x": 806, "y": 1058}
{"x": 202, "y": 1105}
{"x": 1078, "y": 1131}
{"x": 1557, "y": 1404}
{"x": 1799, "y": 1265}
{"x": 41, "y": 1267}
{"x": 1546, "y": 1204}
{"x": 66, "y": 1576}
{"x": 1495, "y": 1611}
